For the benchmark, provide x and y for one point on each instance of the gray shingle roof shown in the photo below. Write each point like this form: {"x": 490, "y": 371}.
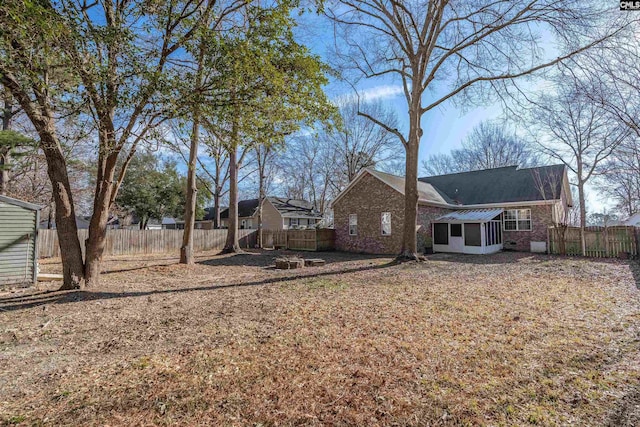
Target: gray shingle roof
{"x": 288, "y": 208}
{"x": 500, "y": 185}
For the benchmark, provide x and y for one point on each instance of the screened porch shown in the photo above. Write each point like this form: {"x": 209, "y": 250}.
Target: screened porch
{"x": 476, "y": 231}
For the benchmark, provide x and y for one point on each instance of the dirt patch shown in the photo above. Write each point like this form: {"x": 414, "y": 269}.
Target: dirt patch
{"x": 509, "y": 339}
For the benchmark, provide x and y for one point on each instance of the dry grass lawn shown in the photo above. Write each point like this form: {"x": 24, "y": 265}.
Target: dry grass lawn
{"x": 509, "y": 339}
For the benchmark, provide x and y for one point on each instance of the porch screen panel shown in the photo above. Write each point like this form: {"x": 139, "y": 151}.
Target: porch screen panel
{"x": 441, "y": 234}
{"x": 472, "y": 236}
{"x": 456, "y": 230}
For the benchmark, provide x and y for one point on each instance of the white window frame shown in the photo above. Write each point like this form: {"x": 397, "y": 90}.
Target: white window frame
{"x": 353, "y": 222}
{"x": 382, "y": 215}
{"x": 517, "y": 218}
{"x": 294, "y": 220}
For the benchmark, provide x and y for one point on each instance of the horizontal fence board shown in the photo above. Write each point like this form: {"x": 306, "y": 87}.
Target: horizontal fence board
{"x": 600, "y": 242}
{"x": 131, "y": 242}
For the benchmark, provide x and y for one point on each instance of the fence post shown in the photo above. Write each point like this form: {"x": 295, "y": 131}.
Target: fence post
{"x": 606, "y": 241}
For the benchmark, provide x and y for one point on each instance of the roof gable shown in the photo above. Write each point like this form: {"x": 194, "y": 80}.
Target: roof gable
{"x": 427, "y": 193}
{"x": 501, "y": 185}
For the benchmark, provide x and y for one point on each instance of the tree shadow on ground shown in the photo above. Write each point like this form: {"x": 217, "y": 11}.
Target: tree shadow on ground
{"x": 634, "y": 266}
{"x": 509, "y": 257}
{"x": 267, "y": 258}
{"x": 61, "y": 297}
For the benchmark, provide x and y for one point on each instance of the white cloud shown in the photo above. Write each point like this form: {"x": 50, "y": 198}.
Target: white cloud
{"x": 376, "y": 93}
{"x": 381, "y": 92}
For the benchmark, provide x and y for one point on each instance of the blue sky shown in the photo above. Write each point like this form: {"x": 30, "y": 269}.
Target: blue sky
{"x": 445, "y": 127}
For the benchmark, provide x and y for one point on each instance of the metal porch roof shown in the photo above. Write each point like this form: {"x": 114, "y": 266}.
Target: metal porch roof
{"x": 477, "y": 215}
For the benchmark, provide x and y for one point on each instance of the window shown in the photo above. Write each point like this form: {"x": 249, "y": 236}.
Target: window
{"x": 385, "y": 223}
{"x": 517, "y": 220}
{"x": 472, "y": 235}
{"x": 440, "y": 234}
{"x": 456, "y": 230}
{"x": 293, "y": 222}
{"x": 353, "y": 225}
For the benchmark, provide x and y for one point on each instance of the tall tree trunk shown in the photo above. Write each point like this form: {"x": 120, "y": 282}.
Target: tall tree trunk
{"x": 583, "y": 216}
{"x": 50, "y": 217}
{"x": 7, "y": 115}
{"x": 216, "y": 208}
{"x": 4, "y": 172}
{"x": 261, "y": 195}
{"x": 232, "y": 244}
{"x": 409, "y": 238}
{"x": 98, "y": 225}
{"x": 66, "y": 227}
{"x": 186, "y": 251}
{"x": 42, "y": 119}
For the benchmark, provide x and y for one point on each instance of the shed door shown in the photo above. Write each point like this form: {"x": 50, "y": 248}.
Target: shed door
{"x": 456, "y": 241}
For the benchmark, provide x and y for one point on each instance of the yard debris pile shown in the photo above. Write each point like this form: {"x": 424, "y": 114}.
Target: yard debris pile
{"x": 510, "y": 339}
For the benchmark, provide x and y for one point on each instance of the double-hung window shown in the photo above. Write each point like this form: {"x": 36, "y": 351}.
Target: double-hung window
{"x": 353, "y": 225}
{"x": 385, "y": 223}
{"x": 517, "y": 220}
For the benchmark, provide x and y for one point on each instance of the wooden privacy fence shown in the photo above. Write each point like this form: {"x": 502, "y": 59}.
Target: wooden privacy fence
{"x": 128, "y": 242}
{"x": 600, "y": 242}
{"x": 299, "y": 240}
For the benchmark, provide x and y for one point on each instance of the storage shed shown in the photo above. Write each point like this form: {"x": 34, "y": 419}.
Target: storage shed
{"x": 18, "y": 242}
{"x": 477, "y": 231}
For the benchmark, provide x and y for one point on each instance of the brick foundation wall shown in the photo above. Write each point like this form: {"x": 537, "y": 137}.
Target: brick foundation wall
{"x": 541, "y": 219}
{"x": 368, "y": 199}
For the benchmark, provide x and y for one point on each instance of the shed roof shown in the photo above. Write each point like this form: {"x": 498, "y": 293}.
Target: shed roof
{"x": 472, "y": 215}
{"x": 22, "y": 204}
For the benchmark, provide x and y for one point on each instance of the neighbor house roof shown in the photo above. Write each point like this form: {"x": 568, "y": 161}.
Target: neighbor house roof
{"x": 288, "y": 208}
{"x": 471, "y": 215}
{"x": 294, "y": 208}
{"x": 501, "y": 185}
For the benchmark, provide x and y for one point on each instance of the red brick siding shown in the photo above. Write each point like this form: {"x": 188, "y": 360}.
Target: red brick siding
{"x": 541, "y": 219}
{"x": 368, "y": 198}
{"x": 426, "y": 215}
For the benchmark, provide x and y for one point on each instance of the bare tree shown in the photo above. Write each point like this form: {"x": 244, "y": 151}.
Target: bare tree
{"x": 454, "y": 46}
{"x": 358, "y": 142}
{"x": 621, "y": 181}
{"x": 308, "y": 170}
{"x": 578, "y": 132}
{"x": 489, "y": 145}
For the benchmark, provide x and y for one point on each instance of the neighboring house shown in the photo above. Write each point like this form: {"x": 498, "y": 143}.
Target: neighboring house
{"x": 633, "y": 220}
{"x": 471, "y": 212}
{"x": 167, "y": 223}
{"x": 278, "y": 213}
{"x": 81, "y": 222}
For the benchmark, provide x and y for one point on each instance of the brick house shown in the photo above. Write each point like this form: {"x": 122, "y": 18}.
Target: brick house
{"x": 471, "y": 212}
